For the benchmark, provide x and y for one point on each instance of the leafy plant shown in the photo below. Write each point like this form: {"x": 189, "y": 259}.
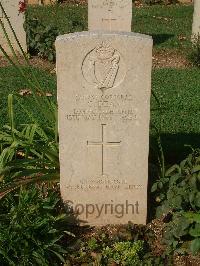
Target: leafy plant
{"x": 32, "y": 228}
{"x": 179, "y": 189}
{"x": 92, "y": 244}
{"x": 41, "y": 38}
{"x": 76, "y": 22}
{"x": 194, "y": 231}
{"x": 29, "y": 153}
{"x": 111, "y": 245}
{"x": 178, "y": 195}
{"x": 124, "y": 253}
{"x": 183, "y": 233}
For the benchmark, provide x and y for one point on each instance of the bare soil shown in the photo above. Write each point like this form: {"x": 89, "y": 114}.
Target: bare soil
{"x": 157, "y": 227}
{"x": 34, "y": 61}
{"x": 170, "y": 59}
{"x": 161, "y": 59}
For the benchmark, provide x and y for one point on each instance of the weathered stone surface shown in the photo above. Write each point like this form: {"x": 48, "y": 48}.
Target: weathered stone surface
{"x": 17, "y": 20}
{"x": 104, "y": 83}
{"x": 110, "y": 15}
{"x": 196, "y": 18}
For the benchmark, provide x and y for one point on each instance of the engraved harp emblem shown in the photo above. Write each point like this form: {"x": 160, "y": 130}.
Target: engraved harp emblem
{"x": 101, "y": 66}
{"x": 106, "y": 65}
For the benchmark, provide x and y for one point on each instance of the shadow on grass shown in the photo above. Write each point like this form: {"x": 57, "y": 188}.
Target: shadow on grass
{"x": 176, "y": 147}
{"x": 161, "y": 38}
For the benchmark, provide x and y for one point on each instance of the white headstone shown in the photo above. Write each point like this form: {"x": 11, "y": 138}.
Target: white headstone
{"x": 104, "y": 83}
{"x": 17, "y": 20}
{"x": 110, "y": 15}
{"x": 196, "y": 19}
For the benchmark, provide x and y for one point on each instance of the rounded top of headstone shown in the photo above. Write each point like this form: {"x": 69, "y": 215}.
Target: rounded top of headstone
{"x": 100, "y": 33}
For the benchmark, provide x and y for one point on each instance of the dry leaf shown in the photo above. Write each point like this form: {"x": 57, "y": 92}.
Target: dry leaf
{"x": 20, "y": 153}
{"x": 163, "y": 18}
{"x": 182, "y": 38}
{"x": 25, "y": 92}
{"x": 39, "y": 94}
{"x": 93, "y": 254}
{"x": 48, "y": 94}
{"x": 53, "y": 71}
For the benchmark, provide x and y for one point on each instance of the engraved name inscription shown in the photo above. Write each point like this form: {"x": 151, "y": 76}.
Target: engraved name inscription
{"x": 109, "y": 4}
{"x": 103, "y": 108}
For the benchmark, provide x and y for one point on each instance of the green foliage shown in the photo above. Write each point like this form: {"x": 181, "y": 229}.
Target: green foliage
{"x": 121, "y": 253}
{"x": 179, "y": 189}
{"x": 194, "y": 55}
{"x": 67, "y": 18}
{"x": 41, "y": 38}
{"x": 115, "y": 246}
{"x": 28, "y": 154}
{"x": 124, "y": 253}
{"x": 178, "y": 195}
{"x": 32, "y": 227}
{"x": 182, "y": 234}
{"x": 92, "y": 244}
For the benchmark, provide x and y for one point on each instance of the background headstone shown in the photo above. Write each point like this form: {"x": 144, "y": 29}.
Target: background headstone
{"x": 110, "y": 15}
{"x": 185, "y": 1}
{"x": 104, "y": 83}
{"x": 17, "y": 20}
{"x": 41, "y": 2}
{"x": 196, "y": 18}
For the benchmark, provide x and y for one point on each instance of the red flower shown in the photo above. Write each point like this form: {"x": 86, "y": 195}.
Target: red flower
{"x": 22, "y": 6}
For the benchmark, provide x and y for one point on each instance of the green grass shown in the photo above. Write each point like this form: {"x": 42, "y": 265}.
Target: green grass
{"x": 179, "y": 94}
{"x": 164, "y": 23}
{"x": 179, "y": 116}
{"x": 11, "y": 82}
{"x": 178, "y": 91}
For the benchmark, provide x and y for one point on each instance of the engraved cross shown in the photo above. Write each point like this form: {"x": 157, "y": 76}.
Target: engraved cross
{"x": 109, "y": 20}
{"x": 103, "y": 144}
